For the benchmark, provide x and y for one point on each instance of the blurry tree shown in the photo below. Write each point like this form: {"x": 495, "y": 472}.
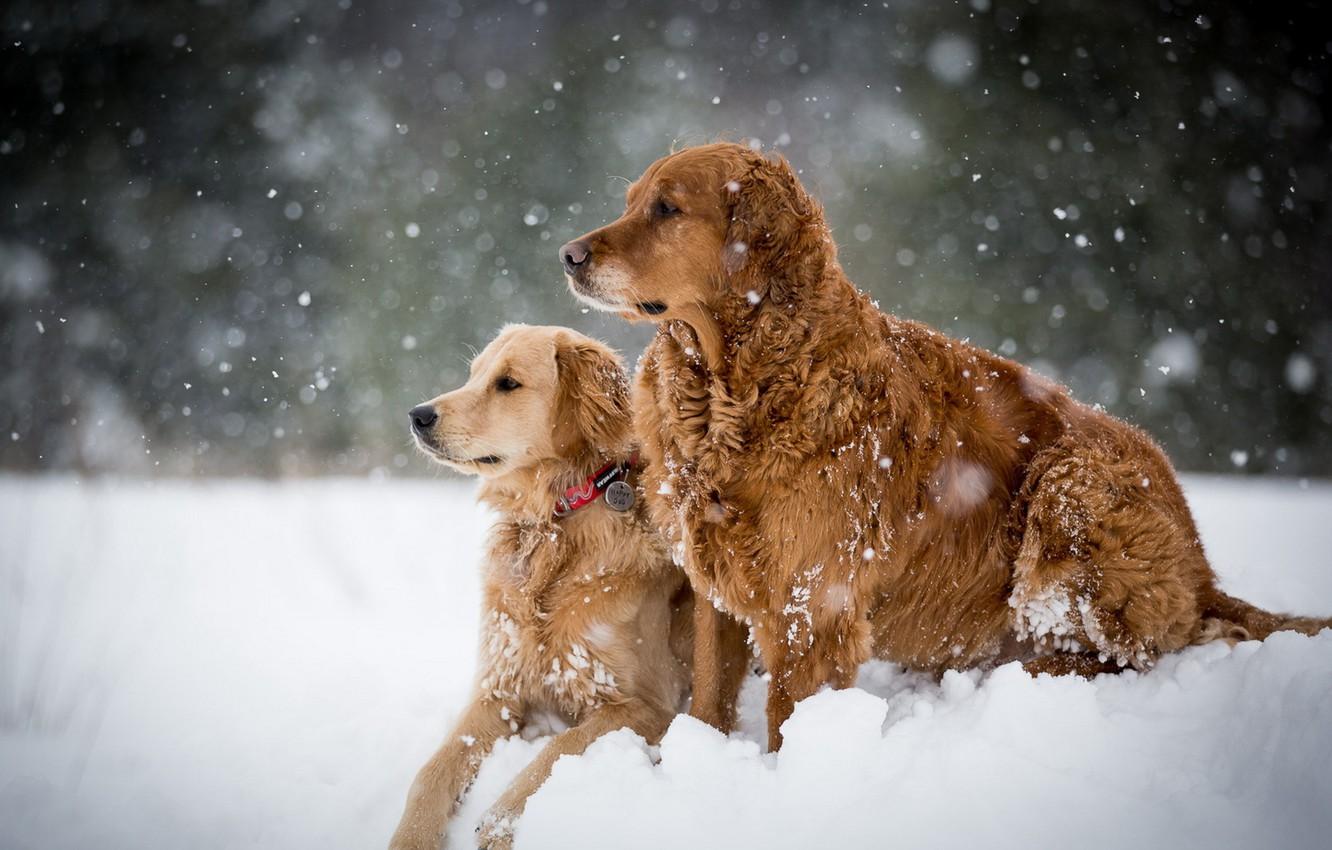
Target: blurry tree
{"x": 247, "y": 237}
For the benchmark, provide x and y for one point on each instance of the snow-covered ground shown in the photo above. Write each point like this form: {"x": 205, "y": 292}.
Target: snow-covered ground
{"x": 242, "y": 665}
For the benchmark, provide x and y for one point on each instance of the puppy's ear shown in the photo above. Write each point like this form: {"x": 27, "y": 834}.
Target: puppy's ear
{"x": 777, "y": 242}
{"x": 592, "y": 405}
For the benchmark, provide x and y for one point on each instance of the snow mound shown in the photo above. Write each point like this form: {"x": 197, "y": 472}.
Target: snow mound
{"x": 244, "y": 665}
{"x": 1217, "y": 747}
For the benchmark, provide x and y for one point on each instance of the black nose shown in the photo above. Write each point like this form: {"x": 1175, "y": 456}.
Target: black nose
{"x": 423, "y": 416}
{"x": 573, "y": 255}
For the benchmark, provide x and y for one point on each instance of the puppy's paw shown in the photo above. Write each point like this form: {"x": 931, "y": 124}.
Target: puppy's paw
{"x": 422, "y": 828}
{"x": 415, "y": 842}
{"x": 496, "y": 829}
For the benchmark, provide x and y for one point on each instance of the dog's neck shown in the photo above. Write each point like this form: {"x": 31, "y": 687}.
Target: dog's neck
{"x": 708, "y": 330}
{"x": 726, "y": 326}
{"x": 536, "y": 546}
{"x": 529, "y": 494}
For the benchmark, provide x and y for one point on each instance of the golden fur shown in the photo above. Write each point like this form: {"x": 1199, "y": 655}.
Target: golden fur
{"x": 850, "y": 484}
{"x": 577, "y": 613}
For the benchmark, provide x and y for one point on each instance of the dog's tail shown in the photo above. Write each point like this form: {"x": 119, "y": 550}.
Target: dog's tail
{"x": 1231, "y": 619}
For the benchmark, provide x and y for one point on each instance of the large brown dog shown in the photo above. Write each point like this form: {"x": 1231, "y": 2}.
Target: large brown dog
{"x": 848, "y": 483}
{"x": 583, "y": 615}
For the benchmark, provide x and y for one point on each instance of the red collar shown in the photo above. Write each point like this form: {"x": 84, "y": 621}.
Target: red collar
{"x": 592, "y": 488}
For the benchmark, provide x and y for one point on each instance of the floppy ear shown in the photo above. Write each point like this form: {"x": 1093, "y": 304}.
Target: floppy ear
{"x": 593, "y": 399}
{"x": 777, "y": 243}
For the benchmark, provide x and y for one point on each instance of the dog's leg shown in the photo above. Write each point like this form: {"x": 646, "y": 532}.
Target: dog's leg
{"x": 496, "y": 830}
{"x": 1084, "y": 664}
{"x": 817, "y": 645}
{"x": 734, "y": 656}
{"x": 826, "y": 662}
{"x": 444, "y": 779}
{"x": 1109, "y": 570}
{"x": 720, "y": 661}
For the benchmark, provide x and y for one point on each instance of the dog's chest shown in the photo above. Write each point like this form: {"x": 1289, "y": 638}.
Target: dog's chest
{"x": 521, "y": 661}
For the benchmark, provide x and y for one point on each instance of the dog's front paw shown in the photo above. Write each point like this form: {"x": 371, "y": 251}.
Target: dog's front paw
{"x": 416, "y": 842}
{"x": 496, "y": 829}
{"x": 422, "y": 828}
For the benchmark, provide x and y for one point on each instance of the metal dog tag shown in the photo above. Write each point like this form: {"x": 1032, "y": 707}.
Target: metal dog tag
{"x": 619, "y": 496}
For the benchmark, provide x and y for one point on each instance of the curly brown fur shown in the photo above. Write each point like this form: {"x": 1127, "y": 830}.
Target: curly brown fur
{"x": 580, "y": 616}
{"x": 851, "y": 484}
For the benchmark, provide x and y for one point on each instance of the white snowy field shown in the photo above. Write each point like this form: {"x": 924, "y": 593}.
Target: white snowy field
{"x": 265, "y": 665}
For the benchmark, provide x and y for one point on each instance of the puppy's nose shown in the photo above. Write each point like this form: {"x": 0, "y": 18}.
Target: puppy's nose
{"x": 423, "y": 416}
{"x": 573, "y": 255}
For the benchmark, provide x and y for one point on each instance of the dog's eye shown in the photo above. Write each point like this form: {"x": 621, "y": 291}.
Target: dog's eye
{"x": 507, "y": 384}
{"x": 665, "y": 209}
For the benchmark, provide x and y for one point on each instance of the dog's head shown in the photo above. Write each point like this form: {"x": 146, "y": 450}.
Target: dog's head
{"x": 700, "y": 225}
{"x": 535, "y": 394}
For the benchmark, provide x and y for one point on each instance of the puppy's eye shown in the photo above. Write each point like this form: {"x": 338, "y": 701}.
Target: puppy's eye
{"x": 665, "y": 209}
{"x": 507, "y": 384}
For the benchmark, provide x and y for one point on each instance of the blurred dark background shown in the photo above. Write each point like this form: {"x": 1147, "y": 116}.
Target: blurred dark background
{"x": 244, "y": 238}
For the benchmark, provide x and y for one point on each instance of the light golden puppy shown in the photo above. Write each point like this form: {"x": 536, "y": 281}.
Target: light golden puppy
{"x": 581, "y": 602}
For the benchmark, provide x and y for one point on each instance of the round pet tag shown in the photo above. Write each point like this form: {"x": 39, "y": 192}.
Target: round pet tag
{"x": 619, "y": 496}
